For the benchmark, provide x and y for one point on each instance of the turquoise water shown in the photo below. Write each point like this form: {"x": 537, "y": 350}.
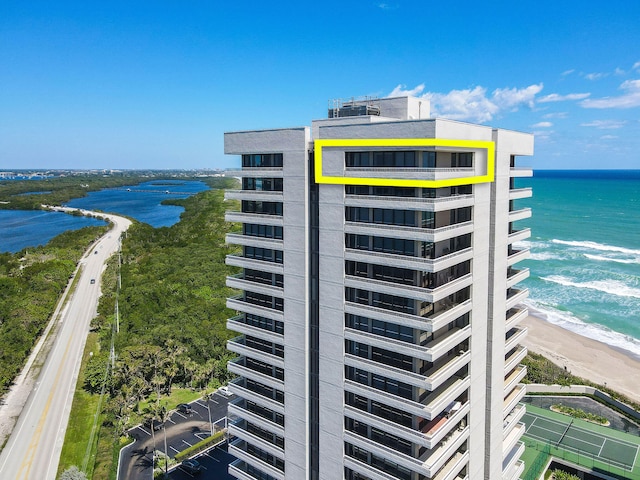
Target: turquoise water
{"x": 585, "y": 253}
{"x": 27, "y": 228}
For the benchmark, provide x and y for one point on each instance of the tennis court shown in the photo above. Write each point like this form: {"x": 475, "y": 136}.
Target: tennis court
{"x": 581, "y": 441}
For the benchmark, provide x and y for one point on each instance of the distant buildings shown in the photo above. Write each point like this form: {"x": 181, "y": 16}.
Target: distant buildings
{"x": 379, "y": 309}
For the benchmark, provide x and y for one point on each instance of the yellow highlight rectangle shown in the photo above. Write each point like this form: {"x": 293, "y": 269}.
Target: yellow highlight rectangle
{"x": 404, "y": 142}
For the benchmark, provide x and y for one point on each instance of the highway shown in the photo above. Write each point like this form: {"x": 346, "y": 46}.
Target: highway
{"x": 33, "y": 449}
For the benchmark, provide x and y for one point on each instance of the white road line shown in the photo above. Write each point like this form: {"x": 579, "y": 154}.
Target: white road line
{"x": 174, "y": 449}
{"x": 601, "y": 447}
{"x": 184, "y": 441}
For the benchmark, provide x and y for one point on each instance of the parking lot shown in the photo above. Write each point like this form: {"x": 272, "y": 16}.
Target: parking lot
{"x": 214, "y": 466}
{"x": 182, "y": 430}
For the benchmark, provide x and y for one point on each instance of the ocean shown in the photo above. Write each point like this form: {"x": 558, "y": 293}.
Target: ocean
{"x": 585, "y": 253}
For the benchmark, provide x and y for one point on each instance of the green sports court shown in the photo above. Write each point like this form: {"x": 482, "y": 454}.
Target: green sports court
{"x": 580, "y": 442}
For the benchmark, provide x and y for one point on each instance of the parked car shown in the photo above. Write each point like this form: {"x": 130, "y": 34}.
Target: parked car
{"x": 157, "y": 424}
{"x": 184, "y": 408}
{"x": 224, "y": 390}
{"x": 93, "y": 280}
{"x": 192, "y": 466}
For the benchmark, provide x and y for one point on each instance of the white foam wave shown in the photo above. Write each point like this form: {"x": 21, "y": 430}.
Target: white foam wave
{"x": 544, "y": 256}
{"x": 609, "y": 259}
{"x": 569, "y": 321}
{"x": 598, "y": 246}
{"x": 613, "y": 287}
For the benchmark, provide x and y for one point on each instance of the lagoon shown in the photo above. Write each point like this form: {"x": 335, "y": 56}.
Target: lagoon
{"x": 28, "y": 228}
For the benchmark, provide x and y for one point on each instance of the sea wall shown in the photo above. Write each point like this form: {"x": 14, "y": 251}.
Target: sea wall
{"x": 583, "y": 390}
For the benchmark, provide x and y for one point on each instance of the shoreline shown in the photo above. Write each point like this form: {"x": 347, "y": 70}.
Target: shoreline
{"x": 584, "y": 357}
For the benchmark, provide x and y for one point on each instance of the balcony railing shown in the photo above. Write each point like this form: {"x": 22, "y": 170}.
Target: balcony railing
{"x": 266, "y": 196}
{"x": 410, "y": 203}
{"x": 241, "y": 217}
{"x": 238, "y": 303}
{"x": 406, "y": 261}
{"x": 238, "y": 448}
{"x": 238, "y": 387}
{"x": 239, "y": 239}
{"x": 513, "y": 339}
{"x": 239, "y": 470}
{"x": 519, "y": 235}
{"x": 521, "y": 214}
{"x": 254, "y": 264}
{"x": 514, "y": 358}
{"x": 410, "y": 233}
{"x": 518, "y": 193}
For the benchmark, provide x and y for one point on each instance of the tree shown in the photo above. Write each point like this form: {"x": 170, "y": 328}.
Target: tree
{"x": 73, "y": 473}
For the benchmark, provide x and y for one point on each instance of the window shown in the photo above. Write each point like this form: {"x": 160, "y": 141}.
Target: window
{"x": 382, "y": 216}
{"x": 265, "y": 231}
{"x": 462, "y": 159}
{"x": 264, "y": 254}
{"x": 262, "y": 184}
{"x": 262, "y": 160}
{"x": 266, "y": 208}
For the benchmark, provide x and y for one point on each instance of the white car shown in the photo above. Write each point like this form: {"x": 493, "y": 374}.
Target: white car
{"x": 224, "y": 390}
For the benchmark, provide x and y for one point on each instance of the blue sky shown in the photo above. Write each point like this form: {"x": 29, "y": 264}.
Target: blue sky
{"x": 156, "y": 84}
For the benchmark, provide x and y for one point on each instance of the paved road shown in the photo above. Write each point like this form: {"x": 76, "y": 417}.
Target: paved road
{"x": 33, "y": 450}
{"x": 182, "y": 432}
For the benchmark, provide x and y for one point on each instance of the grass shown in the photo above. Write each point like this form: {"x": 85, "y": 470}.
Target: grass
{"x": 81, "y": 420}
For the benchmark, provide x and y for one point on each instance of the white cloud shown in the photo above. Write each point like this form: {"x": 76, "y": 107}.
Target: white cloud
{"x": 595, "y": 76}
{"x": 619, "y": 71}
{"x": 542, "y": 125}
{"x": 473, "y": 104}
{"x": 556, "y": 115}
{"x": 554, "y": 97}
{"x": 636, "y": 66}
{"x": 608, "y": 137}
{"x": 568, "y": 72}
{"x": 605, "y": 124}
{"x": 630, "y": 99}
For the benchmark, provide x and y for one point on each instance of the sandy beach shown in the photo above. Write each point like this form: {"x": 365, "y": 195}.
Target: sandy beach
{"x": 584, "y": 357}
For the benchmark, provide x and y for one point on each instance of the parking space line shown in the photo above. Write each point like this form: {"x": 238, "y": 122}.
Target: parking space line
{"x": 202, "y": 405}
{"x": 173, "y": 448}
{"x": 179, "y": 414}
{"x": 186, "y": 442}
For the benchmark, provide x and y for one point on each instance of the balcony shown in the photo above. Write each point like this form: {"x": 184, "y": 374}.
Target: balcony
{"x": 366, "y": 470}
{"x": 431, "y": 323}
{"x": 238, "y": 448}
{"x": 513, "y": 419}
{"x": 514, "y": 358}
{"x": 520, "y": 214}
{"x": 516, "y": 472}
{"x": 238, "y": 324}
{"x": 516, "y": 276}
{"x": 410, "y": 203}
{"x": 428, "y": 437}
{"x": 514, "y": 378}
{"x": 253, "y": 264}
{"x": 514, "y": 337}
{"x": 409, "y": 173}
{"x": 452, "y": 468}
{"x": 515, "y": 256}
{"x": 430, "y": 406}
{"x": 259, "y": 195}
{"x": 237, "y": 408}
{"x": 238, "y": 345}
{"x": 238, "y": 367}
{"x": 239, "y": 283}
{"x": 519, "y": 172}
{"x": 510, "y": 442}
{"x": 513, "y": 399}
{"x": 519, "y": 235}
{"x": 237, "y": 387}
{"x": 406, "y": 261}
{"x": 239, "y": 470}
{"x": 518, "y": 193}
{"x": 428, "y": 464}
{"x": 239, "y": 304}
{"x": 515, "y": 297}
{"x": 409, "y": 233}
{"x": 431, "y": 295}
{"x": 509, "y": 464}
{"x": 261, "y": 219}
{"x": 442, "y": 370}
{"x": 514, "y": 316}
{"x": 239, "y": 239}
{"x": 238, "y": 430}
{"x": 429, "y": 351}
{"x": 270, "y": 172}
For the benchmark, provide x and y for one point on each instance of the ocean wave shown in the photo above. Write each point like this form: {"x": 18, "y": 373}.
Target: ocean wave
{"x": 598, "y": 246}
{"x": 569, "y": 321}
{"x": 612, "y": 287}
{"x": 609, "y": 259}
{"x": 544, "y": 256}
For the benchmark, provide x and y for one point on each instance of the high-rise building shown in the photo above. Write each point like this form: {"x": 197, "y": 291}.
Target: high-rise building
{"x": 379, "y": 313}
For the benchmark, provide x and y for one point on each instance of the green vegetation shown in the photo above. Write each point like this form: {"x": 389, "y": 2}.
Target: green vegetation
{"x": 544, "y": 371}
{"x": 172, "y": 330}
{"x": 31, "y": 282}
{"x": 14, "y": 195}
{"x": 558, "y": 474}
{"x": 579, "y": 413}
{"x": 200, "y": 446}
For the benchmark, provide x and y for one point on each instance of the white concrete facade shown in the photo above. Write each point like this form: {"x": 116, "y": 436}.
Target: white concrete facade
{"x": 379, "y": 324}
